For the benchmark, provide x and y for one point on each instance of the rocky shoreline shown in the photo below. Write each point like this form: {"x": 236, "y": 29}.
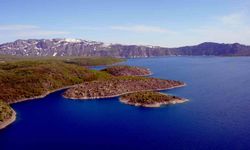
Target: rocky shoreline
{"x": 176, "y": 101}
{"x": 40, "y": 96}
{"x": 9, "y": 121}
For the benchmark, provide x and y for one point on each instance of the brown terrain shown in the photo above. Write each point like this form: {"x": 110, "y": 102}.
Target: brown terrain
{"x": 116, "y": 86}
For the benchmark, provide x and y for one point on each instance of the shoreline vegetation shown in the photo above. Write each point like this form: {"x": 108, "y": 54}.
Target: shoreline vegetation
{"x": 150, "y": 99}
{"x": 30, "y": 78}
{"x": 9, "y": 121}
{"x": 41, "y": 96}
{"x": 123, "y": 70}
{"x": 7, "y": 115}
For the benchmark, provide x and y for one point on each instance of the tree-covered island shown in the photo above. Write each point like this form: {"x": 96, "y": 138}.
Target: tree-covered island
{"x": 150, "y": 99}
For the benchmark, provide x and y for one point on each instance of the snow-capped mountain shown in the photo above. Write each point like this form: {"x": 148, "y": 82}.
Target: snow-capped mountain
{"x": 78, "y": 47}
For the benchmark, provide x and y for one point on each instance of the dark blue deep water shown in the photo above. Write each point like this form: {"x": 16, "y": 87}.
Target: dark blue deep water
{"x": 216, "y": 117}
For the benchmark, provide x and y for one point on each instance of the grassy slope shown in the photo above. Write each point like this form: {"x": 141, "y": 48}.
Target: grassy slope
{"x": 26, "y": 78}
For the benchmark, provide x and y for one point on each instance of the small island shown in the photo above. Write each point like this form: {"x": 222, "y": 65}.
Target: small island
{"x": 7, "y": 115}
{"x": 116, "y": 86}
{"x": 123, "y": 70}
{"x": 150, "y": 99}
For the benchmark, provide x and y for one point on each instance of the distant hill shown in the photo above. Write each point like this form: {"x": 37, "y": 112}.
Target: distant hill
{"x": 77, "y": 47}
{"x": 209, "y": 48}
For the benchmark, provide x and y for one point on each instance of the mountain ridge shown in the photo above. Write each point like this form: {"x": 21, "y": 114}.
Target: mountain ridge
{"x": 79, "y": 47}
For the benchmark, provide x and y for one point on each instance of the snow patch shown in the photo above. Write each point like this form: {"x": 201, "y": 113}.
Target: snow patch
{"x": 55, "y": 54}
{"x": 72, "y": 40}
{"x": 106, "y": 44}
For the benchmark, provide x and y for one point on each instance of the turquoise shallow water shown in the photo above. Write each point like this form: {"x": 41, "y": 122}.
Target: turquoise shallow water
{"x": 216, "y": 117}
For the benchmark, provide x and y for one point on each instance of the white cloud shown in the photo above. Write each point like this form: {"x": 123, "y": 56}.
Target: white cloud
{"x": 91, "y": 28}
{"x": 40, "y": 33}
{"x": 131, "y": 28}
{"x": 233, "y": 19}
{"x": 230, "y": 28}
{"x": 234, "y": 27}
{"x": 141, "y": 29}
{"x": 17, "y": 27}
{"x": 27, "y": 31}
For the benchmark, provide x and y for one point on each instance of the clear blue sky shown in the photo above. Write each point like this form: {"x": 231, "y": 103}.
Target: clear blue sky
{"x": 148, "y": 22}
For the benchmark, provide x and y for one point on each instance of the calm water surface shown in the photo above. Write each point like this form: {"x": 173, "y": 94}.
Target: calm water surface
{"x": 216, "y": 117}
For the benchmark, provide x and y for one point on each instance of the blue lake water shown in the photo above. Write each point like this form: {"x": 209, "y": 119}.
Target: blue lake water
{"x": 216, "y": 117}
